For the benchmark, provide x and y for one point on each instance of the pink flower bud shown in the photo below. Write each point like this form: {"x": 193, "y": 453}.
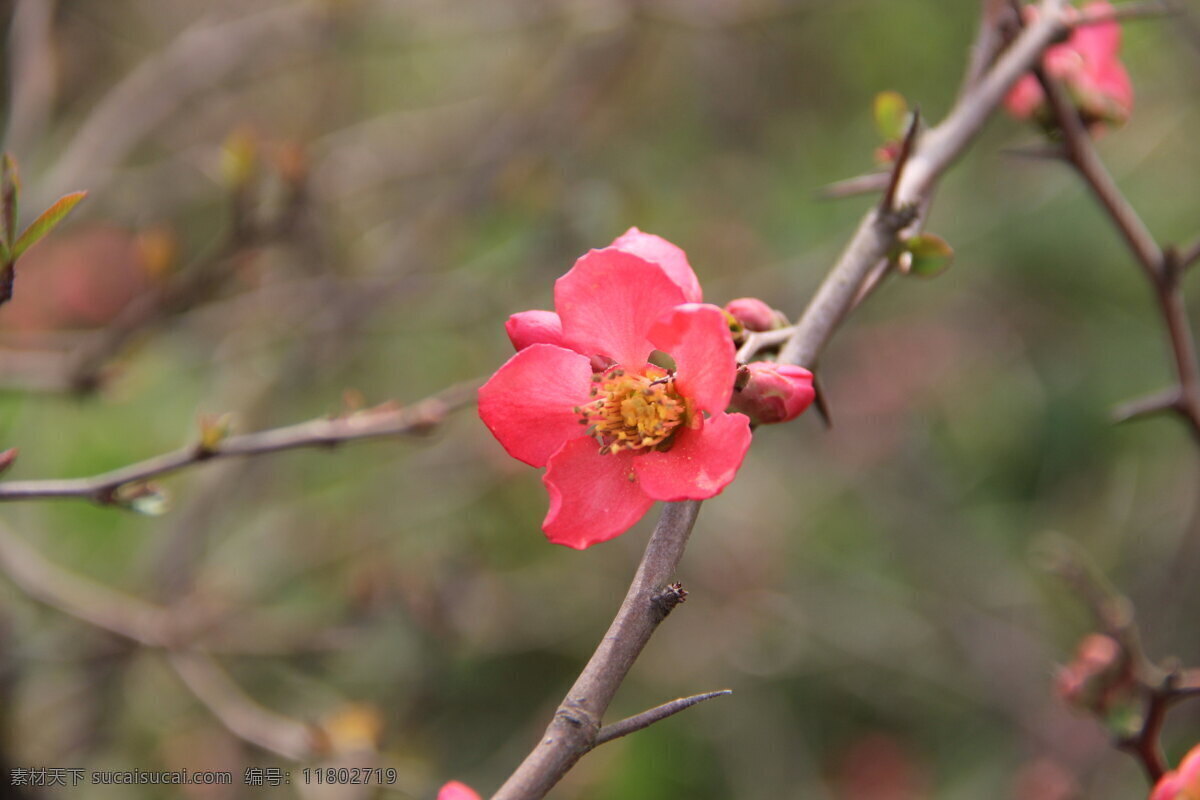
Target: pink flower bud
{"x": 455, "y": 790}
{"x": 774, "y": 392}
{"x": 534, "y": 327}
{"x": 1182, "y": 783}
{"x": 754, "y": 314}
{"x": 1099, "y": 676}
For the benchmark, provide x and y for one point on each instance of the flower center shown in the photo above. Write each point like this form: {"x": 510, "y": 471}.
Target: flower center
{"x": 633, "y": 411}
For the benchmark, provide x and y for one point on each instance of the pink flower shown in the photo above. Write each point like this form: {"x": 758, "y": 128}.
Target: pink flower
{"x": 752, "y": 313}
{"x": 1183, "y": 783}
{"x": 615, "y": 432}
{"x": 1088, "y": 66}
{"x": 774, "y": 392}
{"x": 457, "y": 791}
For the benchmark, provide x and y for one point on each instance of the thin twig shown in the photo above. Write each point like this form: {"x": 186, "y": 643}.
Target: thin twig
{"x": 761, "y": 340}
{"x": 1080, "y": 152}
{"x": 1189, "y": 255}
{"x": 1141, "y": 407}
{"x": 322, "y": 432}
{"x": 647, "y": 718}
{"x": 241, "y": 714}
{"x": 1162, "y": 269}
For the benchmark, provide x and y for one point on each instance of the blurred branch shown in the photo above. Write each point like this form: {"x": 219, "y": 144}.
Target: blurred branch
{"x": 34, "y": 370}
{"x": 861, "y": 184}
{"x": 81, "y": 598}
{"x": 199, "y": 58}
{"x": 381, "y": 422}
{"x": 989, "y": 41}
{"x": 1163, "y": 269}
{"x": 576, "y": 724}
{"x": 1156, "y": 403}
{"x": 241, "y": 714}
{"x": 647, "y": 718}
{"x": 157, "y": 627}
{"x": 32, "y": 73}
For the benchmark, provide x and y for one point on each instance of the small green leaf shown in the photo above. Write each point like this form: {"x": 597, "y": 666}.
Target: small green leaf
{"x": 10, "y": 188}
{"x": 929, "y": 254}
{"x": 891, "y": 115}
{"x": 46, "y": 222}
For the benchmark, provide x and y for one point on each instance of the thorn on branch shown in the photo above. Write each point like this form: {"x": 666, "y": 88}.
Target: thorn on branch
{"x": 1167, "y": 400}
{"x": 861, "y": 184}
{"x": 888, "y": 203}
{"x": 666, "y": 600}
{"x": 821, "y": 403}
{"x": 647, "y": 718}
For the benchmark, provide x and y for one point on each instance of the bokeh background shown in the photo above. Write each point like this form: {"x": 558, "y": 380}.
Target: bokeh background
{"x": 355, "y": 194}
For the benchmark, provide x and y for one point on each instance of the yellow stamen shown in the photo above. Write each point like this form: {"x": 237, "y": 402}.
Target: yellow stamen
{"x": 634, "y": 412}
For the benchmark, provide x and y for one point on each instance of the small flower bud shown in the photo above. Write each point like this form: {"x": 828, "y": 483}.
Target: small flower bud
{"x": 754, "y": 314}
{"x": 1098, "y": 677}
{"x": 534, "y": 327}
{"x": 774, "y": 392}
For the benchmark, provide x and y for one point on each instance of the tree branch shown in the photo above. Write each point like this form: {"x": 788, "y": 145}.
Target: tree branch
{"x": 322, "y": 432}
{"x": 1161, "y": 268}
{"x": 576, "y": 724}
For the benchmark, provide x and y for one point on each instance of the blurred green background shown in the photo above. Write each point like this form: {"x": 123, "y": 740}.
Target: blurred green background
{"x": 868, "y": 592}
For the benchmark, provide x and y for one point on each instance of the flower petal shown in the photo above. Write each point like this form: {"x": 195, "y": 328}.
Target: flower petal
{"x": 533, "y": 327}
{"x": 701, "y": 463}
{"x": 456, "y": 790}
{"x": 593, "y": 497}
{"x": 1098, "y": 43}
{"x": 667, "y": 255}
{"x": 697, "y": 336}
{"x": 528, "y": 403}
{"x": 609, "y": 300}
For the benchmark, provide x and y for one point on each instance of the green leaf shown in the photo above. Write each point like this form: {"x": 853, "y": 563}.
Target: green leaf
{"x": 46, "y": 222}
{"x": 891, "y": 115}
{"x": 929, "y": 254}
{"x": 10, "y": 188}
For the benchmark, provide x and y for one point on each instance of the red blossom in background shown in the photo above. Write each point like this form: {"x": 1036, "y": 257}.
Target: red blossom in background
{"x": 1183, "y": 783}
{"x": 580, "y": 397}
{"x": 454, "y": 790}
{"x": 1088, "y": 66}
